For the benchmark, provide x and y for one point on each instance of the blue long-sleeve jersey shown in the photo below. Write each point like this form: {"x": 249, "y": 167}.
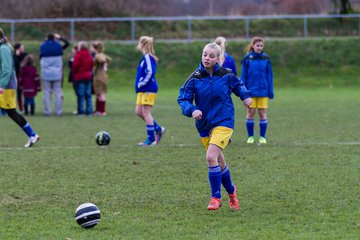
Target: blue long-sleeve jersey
{"x": 212, "y": 96}
{"x": 257, "y": 74}
{"x": 145, "y": 77}
{"x": 229, "y": 62}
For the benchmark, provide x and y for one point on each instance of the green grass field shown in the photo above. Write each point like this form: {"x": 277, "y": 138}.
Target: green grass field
{"x": 304, "y": 184}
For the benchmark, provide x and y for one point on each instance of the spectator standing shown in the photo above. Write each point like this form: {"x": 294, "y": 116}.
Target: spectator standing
{"x": 19, "y": 55}
{"x": 30, "y": 83}
{"x": 101, "y": 62}
{"x": 51, "y": 62}
{"x": 82, "y": 70}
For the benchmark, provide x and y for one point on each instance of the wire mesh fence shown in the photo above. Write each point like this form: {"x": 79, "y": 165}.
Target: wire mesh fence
{"x": 188, "y": 28}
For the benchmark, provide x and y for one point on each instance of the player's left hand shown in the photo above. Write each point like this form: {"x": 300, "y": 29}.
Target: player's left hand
{"x": 1, "y": 90}
{"x": 247, "y": 102}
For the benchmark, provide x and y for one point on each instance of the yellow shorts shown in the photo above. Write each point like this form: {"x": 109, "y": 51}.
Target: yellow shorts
{"x": 8, "y": 99}
{"x": 219, "y": 136}
{"x": 260, "y": 102}
{"x": 144, "y": 98}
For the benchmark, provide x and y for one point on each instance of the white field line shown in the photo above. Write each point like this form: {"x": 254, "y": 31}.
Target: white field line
{"x": 89, "y": 147}
{"x": 172, "y": 146}
{"x": 326, "y": 143}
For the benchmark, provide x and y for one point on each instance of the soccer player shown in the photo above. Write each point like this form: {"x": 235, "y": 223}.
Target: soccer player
{"x": 257, "y": 75}
{"x": 226, "y": 60}
{"x": 8, "y": 89}
{"x": 206, "y": 96}
{"x": 146, "y": 89}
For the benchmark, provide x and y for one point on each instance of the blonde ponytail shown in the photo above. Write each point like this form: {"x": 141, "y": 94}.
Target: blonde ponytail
{"x": 146, "y": 44}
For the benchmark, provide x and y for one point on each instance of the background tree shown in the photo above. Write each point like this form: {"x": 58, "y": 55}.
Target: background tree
{"x": 343, "y": 6}
{"x": 124, "y": 8}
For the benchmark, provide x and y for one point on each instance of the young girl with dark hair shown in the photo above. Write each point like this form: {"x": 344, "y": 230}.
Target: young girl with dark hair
{"x": 29, "y": 82}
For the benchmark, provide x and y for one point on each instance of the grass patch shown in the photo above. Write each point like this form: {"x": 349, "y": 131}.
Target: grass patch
{"x": 304, "y": 184}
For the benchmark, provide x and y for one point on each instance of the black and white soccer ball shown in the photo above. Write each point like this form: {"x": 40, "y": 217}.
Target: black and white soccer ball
{"x": 87, "y": 215}
{"x": 102, "y": 138}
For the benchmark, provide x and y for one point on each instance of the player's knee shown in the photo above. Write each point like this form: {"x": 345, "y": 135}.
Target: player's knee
{"x": 139, "y": 113}
{"x": 211, "y": 159}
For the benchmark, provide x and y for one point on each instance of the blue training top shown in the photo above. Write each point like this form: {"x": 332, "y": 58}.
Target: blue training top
{"x": 229, "y": 63}
{"x": 212, "y": 96}
{"x": 145, "y": 77}
{"x": 257, "y": 74}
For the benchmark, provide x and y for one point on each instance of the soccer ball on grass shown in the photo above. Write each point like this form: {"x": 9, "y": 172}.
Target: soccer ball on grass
{"x": 102, "y": 138}
{"x": 87, "y": 215}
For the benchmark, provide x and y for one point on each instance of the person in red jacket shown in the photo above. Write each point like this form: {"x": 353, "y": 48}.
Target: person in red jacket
{"x": 29, "y": 83}
{"x": 82, "y": 70}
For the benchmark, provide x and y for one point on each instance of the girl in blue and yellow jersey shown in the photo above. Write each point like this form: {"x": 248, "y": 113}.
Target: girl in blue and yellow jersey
{"x": 257, "y": 75}
{"x": 206, "y": 96}
{"x": 146, "y": 89}
{"x": 226, "y": 60}
{"x": 8, "y": 86}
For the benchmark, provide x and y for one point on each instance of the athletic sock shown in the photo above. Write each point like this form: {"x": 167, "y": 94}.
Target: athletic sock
{"x": 250, "y": 127}
{"x": 150, "y": 132}
{"x": 104, "y": 106}
{"x": 226, "y": 180}
{"x": 28, "y": 130}
{"x": 215, "y": 181}
{"x": 97, "y": 106}
{"x": 101, "y": 106}
{"x": 263, "y": 126}
{"x": 157, "y": 127}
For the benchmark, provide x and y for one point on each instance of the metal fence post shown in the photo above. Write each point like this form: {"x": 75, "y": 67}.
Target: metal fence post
{"x": 72, "y": 30}
{"x": 132, "y": 30}
{"x": 12, "y": 31}
{"x": 305, "y": 27}
{"x": 247, "y": 24}
{"x": 189, "y": 29}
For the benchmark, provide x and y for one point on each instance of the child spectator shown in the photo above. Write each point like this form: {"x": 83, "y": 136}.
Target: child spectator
{"x": 82, "y": 69}
{"x": 29, "y": 82}
{"x": 101, "y": 62}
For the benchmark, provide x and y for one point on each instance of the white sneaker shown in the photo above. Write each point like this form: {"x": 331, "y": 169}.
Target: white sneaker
{"x": 32, "y": 141}
{"x": 147, "y": 143}
{"x": 160, "y": 134}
